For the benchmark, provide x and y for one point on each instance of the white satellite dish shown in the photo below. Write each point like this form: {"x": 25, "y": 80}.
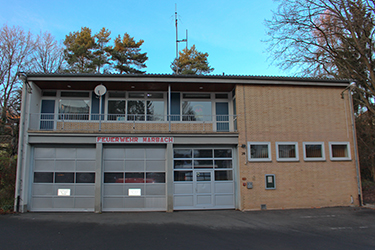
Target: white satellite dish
{"x": 100, "y": 90}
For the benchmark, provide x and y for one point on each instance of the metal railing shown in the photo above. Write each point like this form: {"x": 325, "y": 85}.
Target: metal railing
{"x": 125, "y": 123}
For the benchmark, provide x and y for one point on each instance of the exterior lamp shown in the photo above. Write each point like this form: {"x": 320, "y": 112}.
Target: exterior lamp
{"x": 351, "y": 86}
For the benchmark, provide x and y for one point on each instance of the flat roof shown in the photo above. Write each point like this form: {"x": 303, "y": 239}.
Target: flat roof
{"x": 160, "y": 82}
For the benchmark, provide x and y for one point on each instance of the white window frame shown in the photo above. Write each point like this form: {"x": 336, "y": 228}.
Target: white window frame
{"x": 59, "y": 98}
{"x": 287, "y": 159}
{"x": 145, "y": 98}
{"x": 305, "y": 158}
{"x": 259, "y": 159}
{"x": 348, "y": 158}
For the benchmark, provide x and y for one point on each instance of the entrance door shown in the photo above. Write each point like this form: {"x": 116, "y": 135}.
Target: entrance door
{"x": 222, "y": 117}
{"x": 47, "y": 116}
{"x": 203, "y": 187}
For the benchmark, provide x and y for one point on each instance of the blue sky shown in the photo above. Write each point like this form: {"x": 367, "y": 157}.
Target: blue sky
{"x": 231, "y": 32}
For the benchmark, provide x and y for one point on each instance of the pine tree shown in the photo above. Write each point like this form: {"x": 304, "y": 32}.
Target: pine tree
{"x": 79, "y": 51}
{"x": 127, "y": 56}
{"x": 102, "y": 50}
{"x": 191, "y": 62}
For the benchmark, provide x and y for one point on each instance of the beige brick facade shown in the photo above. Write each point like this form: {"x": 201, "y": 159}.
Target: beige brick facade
{"x": 295, "y": 114}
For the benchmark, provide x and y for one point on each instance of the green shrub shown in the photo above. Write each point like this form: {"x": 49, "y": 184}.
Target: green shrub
{"x": 8, "y": 167}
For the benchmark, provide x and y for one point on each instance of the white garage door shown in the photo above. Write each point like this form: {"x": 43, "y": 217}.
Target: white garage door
{"x": 63, "y": 179}
{"x": 134, "y": 179}
{"x": 203, "y": 179}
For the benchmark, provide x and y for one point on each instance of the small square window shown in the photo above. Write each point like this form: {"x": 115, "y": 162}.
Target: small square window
{"x": 259, "y": 151}
{"x": 339, "y": 151}
{"x": 287, "y": 151}
{"x": 313, "y": 151}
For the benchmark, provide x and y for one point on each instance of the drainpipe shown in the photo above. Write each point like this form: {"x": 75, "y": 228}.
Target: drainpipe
{"x": 169, "y": 106}
{"x": 21, "y": 149}
{"x": 355, "y": 147}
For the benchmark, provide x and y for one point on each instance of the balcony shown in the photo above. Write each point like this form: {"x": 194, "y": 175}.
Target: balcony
{"x": 108, "y": 123}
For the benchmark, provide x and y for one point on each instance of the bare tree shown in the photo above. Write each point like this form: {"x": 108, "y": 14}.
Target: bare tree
{"x": 16, "y": 46}
{"x": 48, "y": 55}
{"x": 333, "y": 38}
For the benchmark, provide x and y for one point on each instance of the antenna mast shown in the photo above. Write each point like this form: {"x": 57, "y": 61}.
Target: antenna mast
{"x": 179, "y": 41}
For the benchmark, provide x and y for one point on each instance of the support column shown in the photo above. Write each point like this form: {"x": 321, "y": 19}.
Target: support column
{"x": 98, "y": 177}
{"x": 169, "y": 162}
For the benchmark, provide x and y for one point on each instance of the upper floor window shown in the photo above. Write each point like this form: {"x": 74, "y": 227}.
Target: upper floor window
{"x": 74, "y": 105}
{"x": 139, "y": 106}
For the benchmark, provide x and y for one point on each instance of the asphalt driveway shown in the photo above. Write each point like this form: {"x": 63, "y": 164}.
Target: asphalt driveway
{"x": 326, "y": 228}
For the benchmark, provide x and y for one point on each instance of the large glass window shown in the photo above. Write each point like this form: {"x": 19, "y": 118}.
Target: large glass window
{"x": 116, "y": 110}
{"x": 196, "y": 111}
{"x": 155, "y": 111}
{"x": 136, "y": 110}
{"x": 74, "y": 109}
{"x": 136, "y": 106}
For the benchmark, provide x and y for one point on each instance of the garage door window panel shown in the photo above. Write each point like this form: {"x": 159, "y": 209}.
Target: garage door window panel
{"x": 43, "y": 177}
{"x": 183, "y": 175}
{"x": 223, "y": 175}
{"x": 64, "y": 177}
{"x": 85, "y": 177}
{"x": 134, "y": 177}
{"x": 113, "y": 177}
{"x": 155, "y": 177}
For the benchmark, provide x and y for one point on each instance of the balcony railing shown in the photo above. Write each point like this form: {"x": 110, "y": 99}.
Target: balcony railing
{"x": 128, "y": 123}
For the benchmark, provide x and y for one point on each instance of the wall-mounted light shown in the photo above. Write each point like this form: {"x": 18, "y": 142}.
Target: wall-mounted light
{"x": 68, "y": 86}
{"x": 351, "y": 86}
{"x": 200, "y": 87}
{"x": 133, "y": 87}
{"x": 243, "y": 146}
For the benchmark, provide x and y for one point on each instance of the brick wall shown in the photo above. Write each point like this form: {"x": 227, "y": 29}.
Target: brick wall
{"x": 295, "y": 114}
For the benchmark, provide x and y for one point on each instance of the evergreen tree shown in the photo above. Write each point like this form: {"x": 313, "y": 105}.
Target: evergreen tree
{"x": 79, "y": 51}
{"x": 191, "y": 62}
{"x": 126, "y": 55}
{"x": 102, "y": 50}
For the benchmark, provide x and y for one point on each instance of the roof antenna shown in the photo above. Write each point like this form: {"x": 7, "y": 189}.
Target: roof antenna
{"x": 179, "y": 41}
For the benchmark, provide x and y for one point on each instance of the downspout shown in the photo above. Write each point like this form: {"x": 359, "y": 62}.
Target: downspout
{"x": 355, "y": 147}
{"x": 20, "y": 153}
{"x": 169, "y": 106}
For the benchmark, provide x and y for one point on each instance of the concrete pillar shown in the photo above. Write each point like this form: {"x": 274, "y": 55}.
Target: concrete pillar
{"x": 98, "y": 177}
{"x": 169, "y": 179}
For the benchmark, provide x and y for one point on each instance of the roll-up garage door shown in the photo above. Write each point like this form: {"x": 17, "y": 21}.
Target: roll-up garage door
{"x": 134, "y": 179}
{"x": 63, "y": 179}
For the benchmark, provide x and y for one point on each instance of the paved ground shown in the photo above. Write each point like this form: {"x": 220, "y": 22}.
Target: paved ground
{"x": 327, "y": 228}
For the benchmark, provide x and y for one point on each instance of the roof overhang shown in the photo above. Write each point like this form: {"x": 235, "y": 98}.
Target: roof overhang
{"x": 151, "y": 82}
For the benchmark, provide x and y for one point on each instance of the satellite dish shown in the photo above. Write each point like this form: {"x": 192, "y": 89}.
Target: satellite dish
{"x": 100, "y": 90}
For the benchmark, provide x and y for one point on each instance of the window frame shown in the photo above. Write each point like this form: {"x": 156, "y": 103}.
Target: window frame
{"x": 322, "y": 158}
{"x": 249, "y": 143}
{"x": 60, "y": 98}
{"x": 348, "y": 158}
{"x": 277, "y": 144}
{"x": 147, "y": 96}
